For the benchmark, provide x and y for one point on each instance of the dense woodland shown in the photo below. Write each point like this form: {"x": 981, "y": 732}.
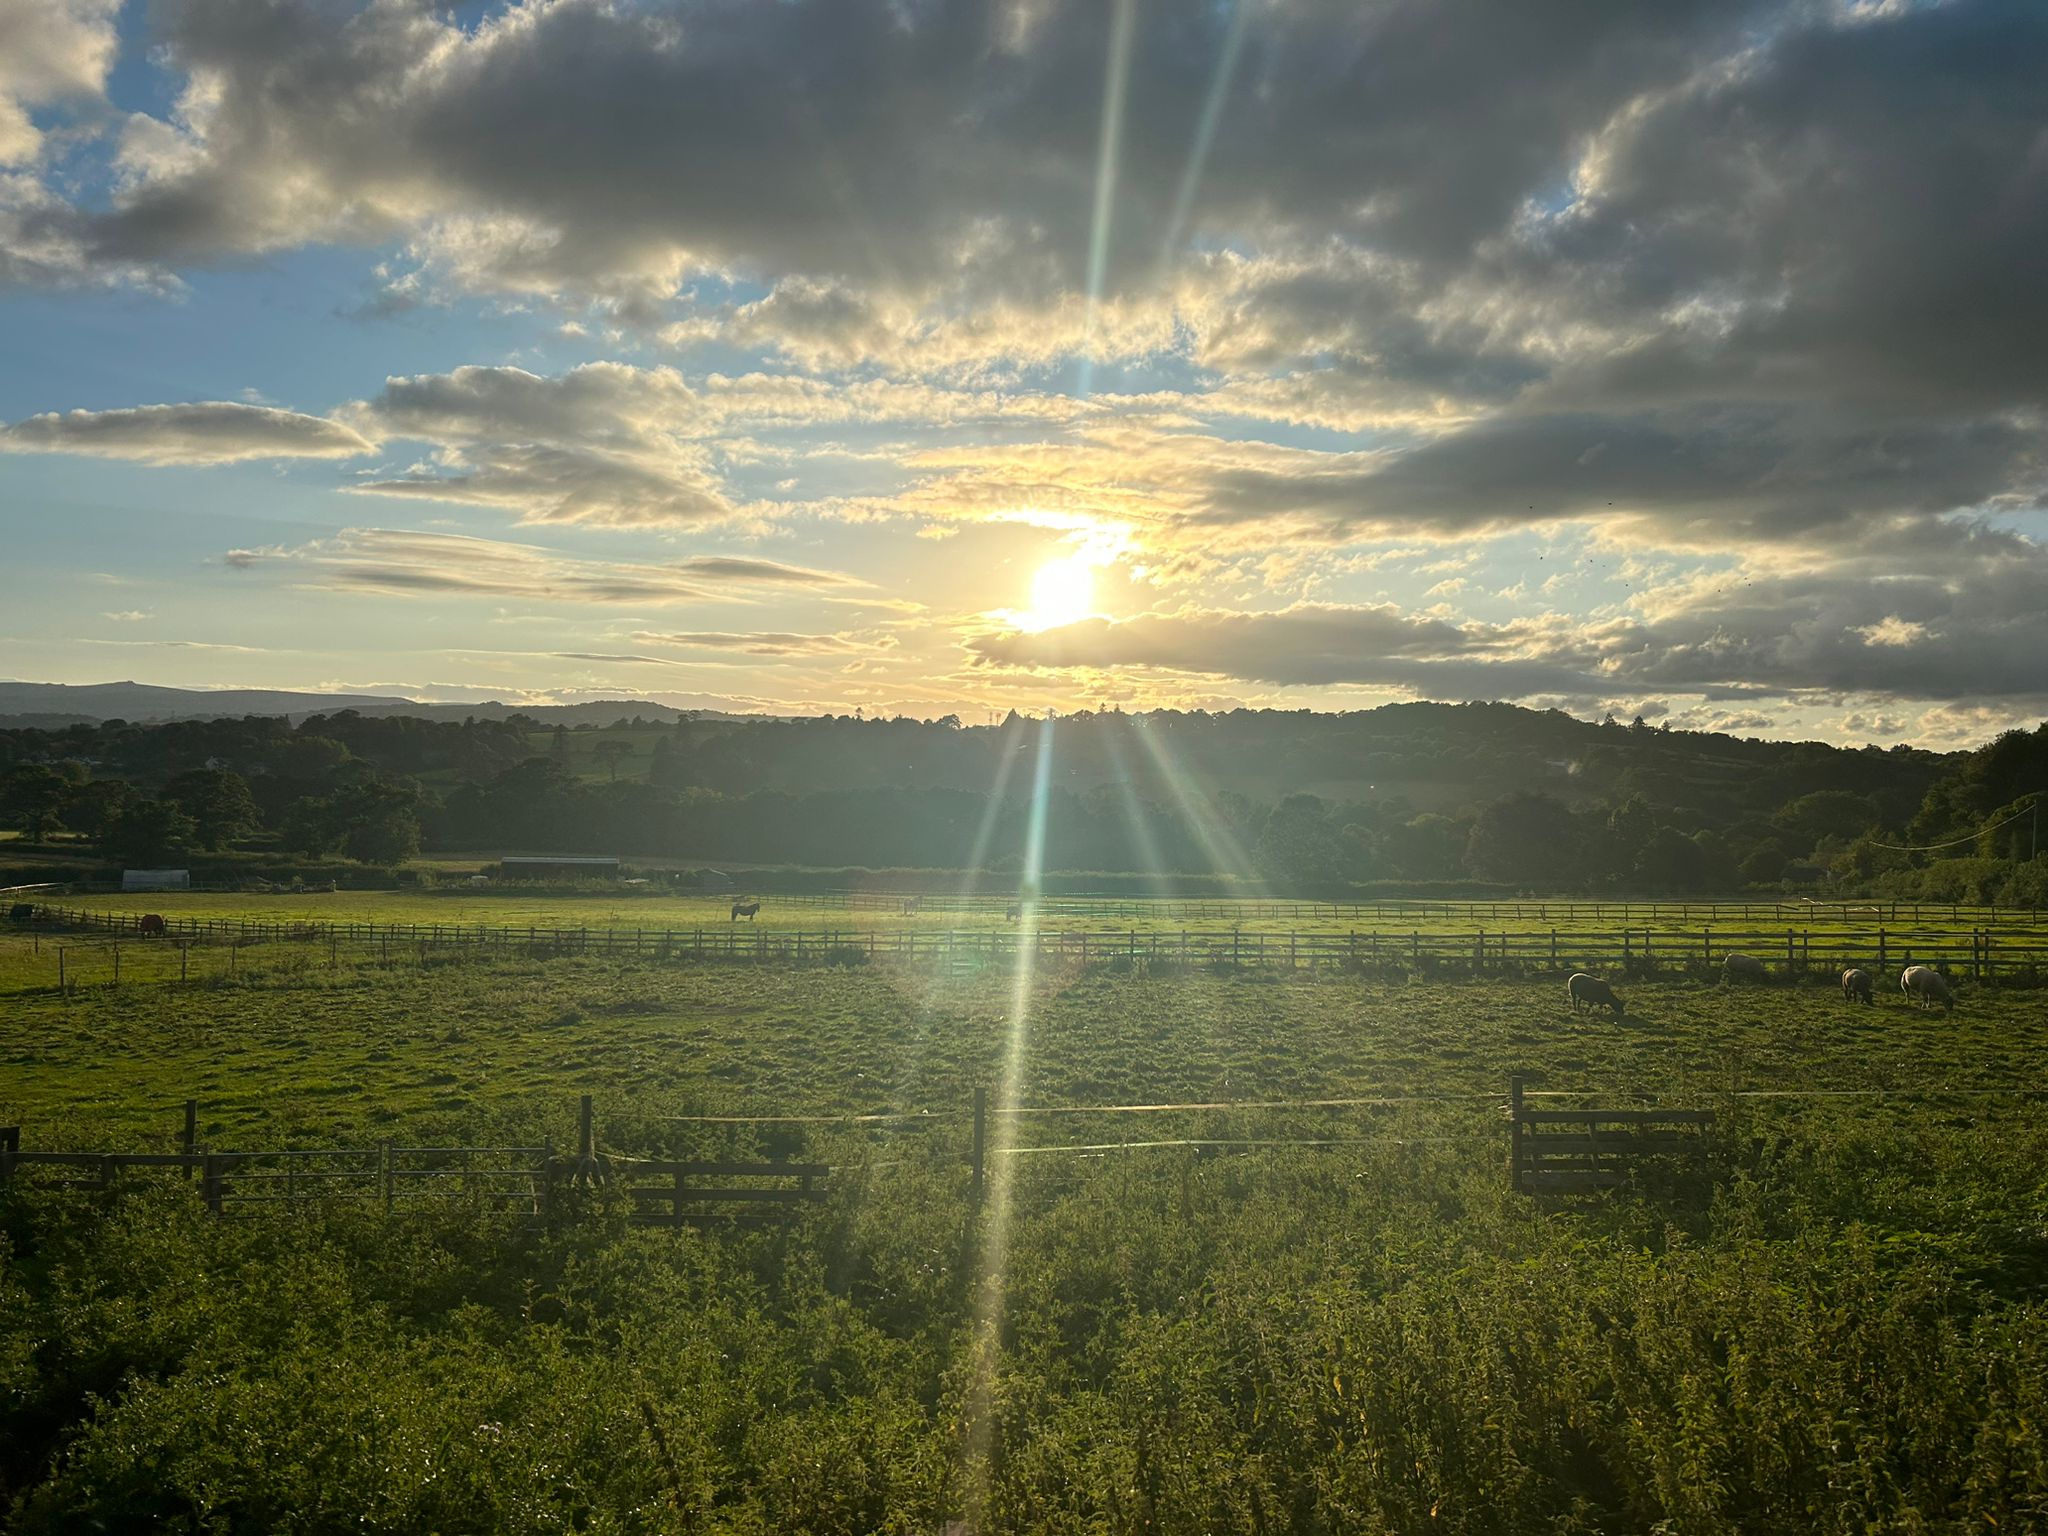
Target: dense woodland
{"x": 1421, "y": 795}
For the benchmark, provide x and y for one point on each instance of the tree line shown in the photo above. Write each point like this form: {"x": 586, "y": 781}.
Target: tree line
{"x": 1533, "y": 800}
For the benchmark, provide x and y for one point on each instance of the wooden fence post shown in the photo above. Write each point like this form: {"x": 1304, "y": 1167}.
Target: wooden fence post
{"x": 190, "y": 1139}
{"x": 62, "y": 984}
{"x": 980, "y": 1142}
{"x": 1515, "y": 1132}
{"x": 209, "y": 1187}
{"x": 1880, "y": 951}
{"x": 117, "y": 965}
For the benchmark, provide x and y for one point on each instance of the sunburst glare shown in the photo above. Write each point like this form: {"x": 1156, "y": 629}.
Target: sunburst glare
{"x": 1061, "y": 592}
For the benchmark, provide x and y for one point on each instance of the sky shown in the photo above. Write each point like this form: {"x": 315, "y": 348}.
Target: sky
{"x": 1686, "y": 360}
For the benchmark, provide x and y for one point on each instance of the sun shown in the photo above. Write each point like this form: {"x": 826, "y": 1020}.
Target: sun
{"x": 1061, "y": 592}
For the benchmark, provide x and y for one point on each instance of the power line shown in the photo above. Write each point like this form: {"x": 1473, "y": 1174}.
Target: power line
{"x": 1958, "y": 842}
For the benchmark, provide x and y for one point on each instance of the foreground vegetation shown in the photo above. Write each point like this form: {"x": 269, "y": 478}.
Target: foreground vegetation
{"x": 1838, "y": 1326}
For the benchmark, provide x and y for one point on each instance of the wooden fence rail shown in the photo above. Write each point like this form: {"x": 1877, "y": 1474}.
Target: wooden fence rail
{"x": 1564, "y": 1148}
{"x": 1981, "y": 953}
{"x": 525, "y": 1180}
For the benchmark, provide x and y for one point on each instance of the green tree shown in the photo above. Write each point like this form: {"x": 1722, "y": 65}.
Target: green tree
{"x": 1813, "y": 819}
{"x": 147, "y": 832}
{"x": 611, "y": 751}
{"x": 1298, "y": 843}
{"x": 1631, "y": 826}
{"x": 1427, "y": 847}
{"x": 93, "y": 805}
{"x": 32, "y": 798}
{"x": 379, "y": 821}
{"x": 219, "y": 803}
{"x": 1527, "y": 839}
{"x": 310, "y": 826}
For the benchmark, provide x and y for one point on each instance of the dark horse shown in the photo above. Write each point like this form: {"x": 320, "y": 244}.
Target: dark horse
{"x": 745, "y": 909}
{"x": 152, "y": 925}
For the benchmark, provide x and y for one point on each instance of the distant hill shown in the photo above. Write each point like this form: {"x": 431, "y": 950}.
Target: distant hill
{"x": 49, "y": 706}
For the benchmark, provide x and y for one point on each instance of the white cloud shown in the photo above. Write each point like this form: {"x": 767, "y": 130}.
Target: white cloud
{"x": 204, "y": 432}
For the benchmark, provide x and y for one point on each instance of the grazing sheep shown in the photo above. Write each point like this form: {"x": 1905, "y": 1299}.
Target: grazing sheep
{"x": 1735, "y": 967}
{"x": 1592, "y": 992}
{"x": 1926, "y": 986}
{"x": 1858, "y": 986}
{"x": 746, "y": 909}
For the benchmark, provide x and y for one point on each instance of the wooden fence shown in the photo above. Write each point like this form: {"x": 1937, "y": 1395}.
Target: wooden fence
{"x": 1565, "y": 1151}
{"x": 1979, "y": 953}
{"x": 525, "y": 1181}
{"x": 1677, "y": 912}
{"x": 1559, "y": 1148}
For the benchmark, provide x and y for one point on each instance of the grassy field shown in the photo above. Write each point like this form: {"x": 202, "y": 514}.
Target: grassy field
{"x": 610, "y": 909}
{"x": 1841, "y": 1324}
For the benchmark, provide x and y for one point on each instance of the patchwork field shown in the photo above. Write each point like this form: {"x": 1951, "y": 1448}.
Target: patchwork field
{"x": 1340, "y": 1321}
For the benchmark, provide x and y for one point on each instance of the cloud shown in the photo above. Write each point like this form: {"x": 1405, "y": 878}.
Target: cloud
{"x": 760, "y": 643}
{"x": 766, "y": 572}
{"x": 51, "y": 51}
{"x": 1875, "y": 626}
{"x": 205, "y": 432}
{"x": 850, "y": 138}
{"x": 603, "y": 443}
{"x": 400, "y": 563}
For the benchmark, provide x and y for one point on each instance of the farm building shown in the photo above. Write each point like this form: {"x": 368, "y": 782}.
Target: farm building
{"x": 156, "y": 879}
{"x": 558, "y": 867}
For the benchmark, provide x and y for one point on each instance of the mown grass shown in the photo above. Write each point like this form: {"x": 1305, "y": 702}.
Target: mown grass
{"x": 1839, "y": 1323}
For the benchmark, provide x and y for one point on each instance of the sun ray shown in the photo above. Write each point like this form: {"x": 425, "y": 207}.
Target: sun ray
{"x": 1116, "y": 83}
{"x": 1159, "y": 880}
{"x": 993, "y": 1273}
{"x": 1225, "y": 854}
{"x": 1205, "y": 132}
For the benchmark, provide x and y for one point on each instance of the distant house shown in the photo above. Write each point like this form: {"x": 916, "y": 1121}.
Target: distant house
{"x": 156, "y": 879}
{"x": 558, "y": 867}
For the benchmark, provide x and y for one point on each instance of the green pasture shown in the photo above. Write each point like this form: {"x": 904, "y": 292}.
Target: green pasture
{"x": 467, "y": 1047}
{"x": 1835, "y": 1322}
{"x": 1676, "y": 923}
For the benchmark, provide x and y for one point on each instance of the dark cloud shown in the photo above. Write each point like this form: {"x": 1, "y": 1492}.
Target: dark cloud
{"x": 1878, "y": 621}
{"x": 869, "y": 139}
{"x": 1697, "y": 475}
